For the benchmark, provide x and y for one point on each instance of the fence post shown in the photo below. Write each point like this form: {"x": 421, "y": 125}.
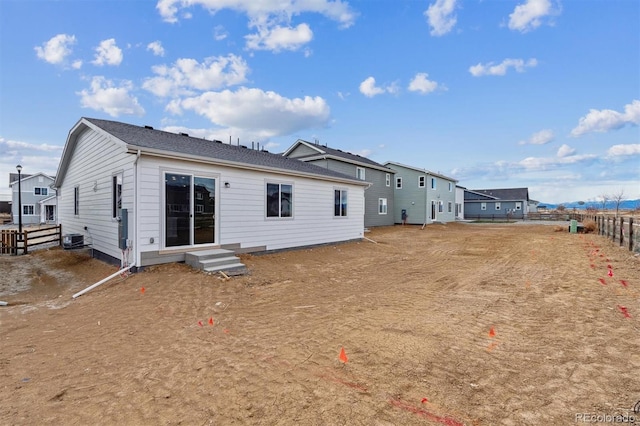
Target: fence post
{"x": 25, "y": 244}
{"x": 631, "y": 234}
{"x": 60, "y": 235}
{"x": 621, "y": 231}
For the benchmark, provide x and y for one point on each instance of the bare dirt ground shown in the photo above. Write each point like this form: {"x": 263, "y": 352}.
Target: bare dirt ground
{"x": 450, "y": 325}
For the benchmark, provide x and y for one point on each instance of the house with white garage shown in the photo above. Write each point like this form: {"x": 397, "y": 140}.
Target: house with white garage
{"x": 145, "y": 196}
{"x": 378, "y": 196}
{"x": 422, "y": 196}
{"x": 37, "y": 197}
{"x": 507, "y": 203}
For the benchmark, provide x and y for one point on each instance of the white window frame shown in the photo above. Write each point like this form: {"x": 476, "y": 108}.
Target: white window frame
{"x": 422, "y": 181}
{"x": 387, "y": 179}
{"x": 26, "y": 207}
{"x": 498, "y": 206}
{"x": 382, "y": 206}
{"x": 116, "y": 195}
{"x": 518, "y": 205}
{"x": 360, "y": 173}
{"x": 483, "y": 206}
{"x": 399, "y": 182}
{"x": 433, "y": 183}
{"x": 266, "y": 192}
{"x": 344, "y": 199}
{"x": 450, "y": 187}
{"x": 76, "y": 201}
{"x": 40, "y": 190}
{"x": 440, "y": 206}
{"x": 450, "y": 207}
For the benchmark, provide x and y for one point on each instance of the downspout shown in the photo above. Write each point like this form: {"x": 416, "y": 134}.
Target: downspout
{"x": 136, "y": 240}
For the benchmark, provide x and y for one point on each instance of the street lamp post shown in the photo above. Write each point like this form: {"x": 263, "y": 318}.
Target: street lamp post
{"x": 19, "y": 169}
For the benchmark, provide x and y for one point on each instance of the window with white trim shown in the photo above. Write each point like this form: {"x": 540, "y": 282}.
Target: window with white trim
{"x": 40, "y": 191}
{"x": 440, "y": 206}
{"x": 498, "y": 206}
{"x": 422, "y": 181}
{"x": 450, "y": 207}
{"x": 360, "y": 173}
{"x": 382, "y": 206}
{"x": 450, "y": 187}
{"x": 483, "y": 206}
{"x": 340, "y": 202}
{"x": 279, "y": 200}
{"x": 518, "y": 205}
{"x": 76, "y": 201}
{"x": 398, "y": 183}
{"x": 433, "y": 183}
{"x": 387, "y": 179}
{"x": 116, "y": 195}
{"x": 28, "y": 209}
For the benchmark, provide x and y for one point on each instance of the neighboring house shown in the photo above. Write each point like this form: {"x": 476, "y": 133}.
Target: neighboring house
{"x": 425, "y": 197}
{"x": 378, "y": 208}
{"x": 510, "y": 203}
{"x": 460, "y": 202}
{"x": 5, "y": 203}
{"x": 34, "y": 188}
{"x": 533, "y": 206}
{"x": 146, "y": 196}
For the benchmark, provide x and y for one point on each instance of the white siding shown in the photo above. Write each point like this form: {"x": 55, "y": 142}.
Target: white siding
{"x": 241, "y": 217}
{"x": 94, "y": 161}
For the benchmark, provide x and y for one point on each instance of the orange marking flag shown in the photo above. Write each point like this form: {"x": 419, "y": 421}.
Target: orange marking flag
{"x": 211, "y": 321}
{"x": 343, "y": 356}
{"x": 142, "y": 290}
{"x": 492, "y": 332}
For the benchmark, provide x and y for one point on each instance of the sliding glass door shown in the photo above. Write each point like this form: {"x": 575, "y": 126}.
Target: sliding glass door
{"x": 190, "y": 205}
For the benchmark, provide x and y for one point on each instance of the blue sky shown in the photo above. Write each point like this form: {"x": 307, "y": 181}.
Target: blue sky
{"x": 543, "y": 94}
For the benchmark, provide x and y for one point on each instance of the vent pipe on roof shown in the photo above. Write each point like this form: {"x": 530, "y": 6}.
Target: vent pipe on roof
{"x": 184, "y": 134}
{"x": 238, "y": 141}
{"x": 148, "y": 127}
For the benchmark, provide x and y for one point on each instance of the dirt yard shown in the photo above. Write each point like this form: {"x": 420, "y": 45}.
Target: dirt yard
{"x": 456, "y": 324}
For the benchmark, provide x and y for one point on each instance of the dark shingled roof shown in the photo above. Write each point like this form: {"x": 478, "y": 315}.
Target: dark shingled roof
{"x": 343, "y": 154}
{"x": 145, "y": 137}
{"x": 506, "y": 194}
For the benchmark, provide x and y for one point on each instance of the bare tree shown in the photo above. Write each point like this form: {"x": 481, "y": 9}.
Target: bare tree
{"x": 618, "y": 198}
{"x": 605, "y": 198}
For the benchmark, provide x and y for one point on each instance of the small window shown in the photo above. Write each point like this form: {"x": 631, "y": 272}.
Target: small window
{"x": 483, "y": 206}
{"x": 450, "y": 207}
{"x": 116, "y": 191}
{"x": 76, "y": 201}
{"x": 497, "y": 206}
{"x": 387, "y": 179}
{"x": 422, "y": 181}
{"x": 440, "y": 206}
{"x": 433, "y": 183}
{"x": 398, "y": 183}
{"x": 382, "y": 206}
{"x": 279, "y": 200}
{"x": 340, "y": 203}
{"x": 360, "y": 173}
{"x": 28, "y": 210}
{"x": 450, "y": 187}
{"x": 199, "y": 208}
{"x": 40, "y": 191}
{"x": 518, "y": 206}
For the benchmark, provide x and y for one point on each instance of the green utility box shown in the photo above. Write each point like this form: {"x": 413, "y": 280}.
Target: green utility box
{"x": 573, "y": 228}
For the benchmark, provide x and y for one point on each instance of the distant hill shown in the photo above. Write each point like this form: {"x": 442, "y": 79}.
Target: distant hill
{"x": 611, "y": 205}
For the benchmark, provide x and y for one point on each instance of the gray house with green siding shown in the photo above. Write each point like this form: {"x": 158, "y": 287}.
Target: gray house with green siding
{"x": 378, "y": 196}
{"x": 509, "y": 203}
{"x": 424, "y": 196}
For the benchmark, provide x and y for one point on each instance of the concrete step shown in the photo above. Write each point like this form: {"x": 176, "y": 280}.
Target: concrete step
{"x": 215, "y": 260}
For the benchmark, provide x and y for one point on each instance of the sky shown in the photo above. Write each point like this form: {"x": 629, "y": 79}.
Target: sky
{"x": 543, "y": 94}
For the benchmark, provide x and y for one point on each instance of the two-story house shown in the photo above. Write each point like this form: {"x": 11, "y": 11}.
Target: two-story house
{"x": 38, "y": 198}
{"x": 421, "y": 196}
{"x": 378, "y": 196}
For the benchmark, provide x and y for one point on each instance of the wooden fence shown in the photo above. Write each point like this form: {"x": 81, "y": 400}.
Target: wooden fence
{"x": 623, "y": 230}
{"x": 11, "y": 244}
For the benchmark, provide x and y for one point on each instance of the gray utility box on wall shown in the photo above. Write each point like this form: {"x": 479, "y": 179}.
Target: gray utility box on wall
{"x": 123, "y": 229}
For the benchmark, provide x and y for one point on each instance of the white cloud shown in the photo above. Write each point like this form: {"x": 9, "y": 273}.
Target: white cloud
{"x": 542, "y": 163}
{"x": 219, "y": 33}
{"x": 187, "y": 75}
{"x": 77, "y": 64}
{"x": 33, "y": 157}
{"x": 107, "y": 53}
{"x": 624, "y": 150}
{"x": 280, "y": 38}
{"x": 369, "y": 89}
{"x": 265, "y": 10}
{"x": 565, "y": 151}
{"x": 501, "y": 69}
{"x": 528, "y": 16}
{"x": 441, "y": 17}
{"x": 420, "y": 83}
{"x": 56, "y": 50}
{"x": 607, "y": 119}
{"x": 265, "y": 114}
{"x": 156, "y": 48}
{"x": 542, "y": 137}
{"x": 105, "y": 96}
